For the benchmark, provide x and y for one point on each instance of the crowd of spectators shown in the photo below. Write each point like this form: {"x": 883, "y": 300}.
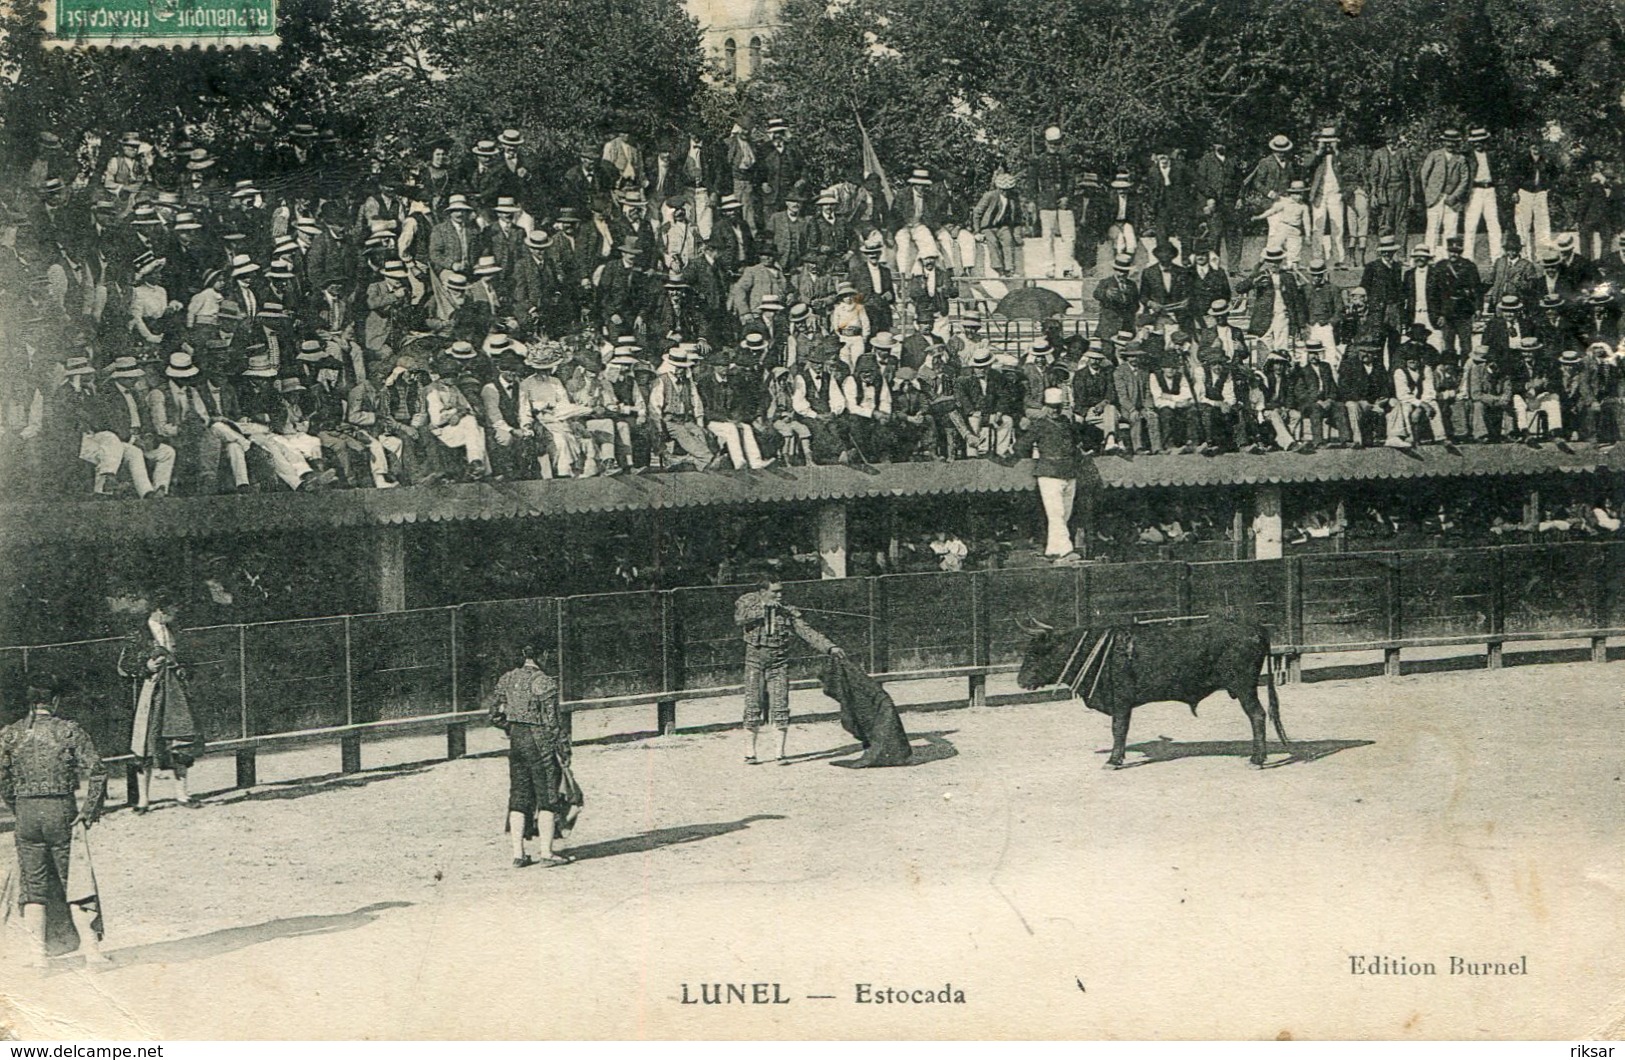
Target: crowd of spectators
{"x": 712, "y": 304}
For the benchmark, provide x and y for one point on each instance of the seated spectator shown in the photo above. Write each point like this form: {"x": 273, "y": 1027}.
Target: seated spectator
{"x": 451, "y": 419}
{"x": 1318, "y": 398}
{"x": 676, "y": 410}
{"x": 1136, "y": 407}
{"x": 1416, "y": 403}
{"x": 868, "y": 411}
{"x": 911, "y": 421}
{"x": 124, "y": 438}
{"x": 949, "y": 550}
{"x": 1094, "y": 399}
{"x": 1176, "y": 407}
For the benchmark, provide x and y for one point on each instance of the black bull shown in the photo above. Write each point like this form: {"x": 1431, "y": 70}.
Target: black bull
{"x": 1156, "y": 663}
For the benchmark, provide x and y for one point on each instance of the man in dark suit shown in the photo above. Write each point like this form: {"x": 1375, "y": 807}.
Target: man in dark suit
{"x": 1278, "y": 309}
{"x": 589, "y": 184}
{"x": 1393, "y": 181}
{"x": 1463, "y": 291}
{"x": 1318, "y": 398}
{"x": 1165, "y": 293}
{"x": 1217, "y": 182}
{"x": 983, "y": 399}
{"x": 732, "y": 238}
{"x": 1505, "y": 331}
{"x": 778, "y": 167}
{"x": 1168, "y": 197}
{"x": 1209, "y": 282}
{"x": 1118, "y": 298}
{"x": 874, "y": 283}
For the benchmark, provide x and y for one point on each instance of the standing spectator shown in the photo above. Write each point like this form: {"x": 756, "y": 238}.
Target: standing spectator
{"x": 1289, "y": 223}
{"x": 874, "y": 283}
{"x": 1218, "y": 189}
{"x": 1276, "y": 301}
{"x": 1168, "y": 197}
{"x": 1462, "y": 290}
{"x": 1487, "y": 175}
{"x": 1532, "y": 215}
{"x": 1209, "y": 282}
{"x": 543, "y": 800}
{"x": 1324, "y": 302}
{"x": 1271, "y": 178}
{"x": 44, "y": 760}
{"x": 164, "y": 735}
{"x": 1512, "y": 274}
{"x": 1118, "y": 298}
{"x": 778, "y": 167}
{"x": 1445, "y": 184}
{"x": 1122, "y": 215}
{"x": 1049, "y": 183}
{"x": 996, "y": 222}
{"x": 624, "y": 159}
{"x": 742, "y": 167}
{"x": 1596, "y": 213}
{"x": 1327, "y": 187}
{"x": 932, "y": 291}
{"x": 1165, "y": 293}
{"x": 1425, "y": 296}
{"x": 790, "y": 231}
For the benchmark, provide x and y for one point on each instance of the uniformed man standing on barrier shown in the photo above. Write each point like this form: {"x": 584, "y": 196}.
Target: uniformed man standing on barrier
{"x": 44, "y": 760}
{"x": 1056, "y": 468}
{"x": 769, "y": 624}
{"x": 543, "y": 797}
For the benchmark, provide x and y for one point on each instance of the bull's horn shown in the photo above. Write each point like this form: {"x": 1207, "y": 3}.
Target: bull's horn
{"x": 1040, "y": 624}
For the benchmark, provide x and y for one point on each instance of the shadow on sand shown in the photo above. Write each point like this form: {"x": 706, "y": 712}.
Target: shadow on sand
{"x": 229, "y": 940}
{"x": 1166, "y": 750}
{"x": 665, "y": 837}
{"x": 936, "y": 749}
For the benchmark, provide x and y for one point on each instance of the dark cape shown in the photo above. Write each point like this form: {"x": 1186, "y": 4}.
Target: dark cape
{"x": 868, "y": 713}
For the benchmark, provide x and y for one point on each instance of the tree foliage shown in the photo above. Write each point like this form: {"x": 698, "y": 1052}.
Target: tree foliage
{"x": 971, "y": 83}
{"x": 382, "y": 74}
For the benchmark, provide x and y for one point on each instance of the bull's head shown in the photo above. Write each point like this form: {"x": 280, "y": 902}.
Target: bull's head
{"x": 1045, "y": 655}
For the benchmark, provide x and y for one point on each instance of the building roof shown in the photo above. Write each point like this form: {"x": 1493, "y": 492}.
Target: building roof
{"x": 79, "y": 520}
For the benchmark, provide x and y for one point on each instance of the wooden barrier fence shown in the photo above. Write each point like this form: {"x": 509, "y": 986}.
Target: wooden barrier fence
{"x": 344, "y": 678}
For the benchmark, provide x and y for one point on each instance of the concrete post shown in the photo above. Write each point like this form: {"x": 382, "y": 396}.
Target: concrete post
{"x": 389, "y": 552}
{"x": 1267, "y": 522}
{"x": 831, "y": 525}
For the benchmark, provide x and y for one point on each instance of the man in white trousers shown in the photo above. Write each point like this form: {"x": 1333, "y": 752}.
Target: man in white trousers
{"x": 1056, "y": 470}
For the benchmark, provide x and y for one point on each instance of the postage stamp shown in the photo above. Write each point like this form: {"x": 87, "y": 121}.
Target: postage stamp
{"x": 160, "y": 23}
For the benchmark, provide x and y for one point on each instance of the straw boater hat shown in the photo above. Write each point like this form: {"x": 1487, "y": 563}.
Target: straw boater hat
{"x": 1218, "y": 307}
{"x": 303, "y": 131}
{"x": 982, "y": 359}
{"x": 511, "y": 138}
{"x": 1274, "y": 254}
{"x": 1421, "y": 250}
{"x": 395, "y": 269}
{"x": 147, "y": 263}
{"x": 486, "y": 266}
{"x": 180, "y": 366}
{"x": 1387, "y": 245}
{"x": 1124, "y": 262}
{"x": 290, "y": 384}
{"x": 873, "y": 244}
{"x": 777, "y": 125}
{"x": 77, "y": 366}
{"x": 311, "y": 351}
{"x": 125, "y": 368}
{"x": 1042, "y": 347}
{"x": 130, "y": 140}
{"x": 281, "y": 269}
{"x": 1297, "y": 187}
{"x": 770, "y": 304}
{"x": 243, "y": 265}
{"x": 1569, "y": 357}
{"x": 271, "y": 311}
{"x": 506, "y": 204}
{"x": 730, "y": 203}
{"x": 800, "y": 311}
{"x": 675, "y": 281}
{"x": 1280, "y": 144}
{"x": 145, "y": 214}
{"x": 1122, "y": 181}
{"x": 260, "y": 366}
{"x": 845, "y": 290}
{"x": 495, "y": 343}
{"x": 920, "y": 177}
{"x": 458, "y": 203}
{"x": 198, "y": 158}
{"x": 753, "y": 340}
{"x": 538, "y": 239}
{"x": 827, "y": 198}
{"x": 882, "y": 341}
{"x": 244, "y": 189}
{"x": 1327, "y": 135}
{"x": 485, "y": 148}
